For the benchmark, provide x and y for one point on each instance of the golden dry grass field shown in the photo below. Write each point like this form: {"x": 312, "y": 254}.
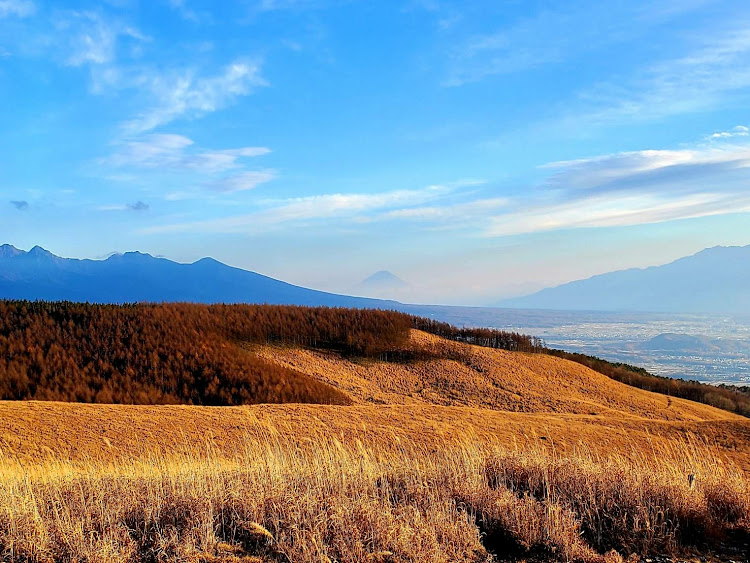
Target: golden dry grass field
{"x": 499, "y": 455}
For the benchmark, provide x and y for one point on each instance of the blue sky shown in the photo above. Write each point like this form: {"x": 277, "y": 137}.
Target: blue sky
{"x": 477, "y": 150}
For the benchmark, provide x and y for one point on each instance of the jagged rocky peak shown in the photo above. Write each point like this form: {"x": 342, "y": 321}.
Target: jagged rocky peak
{"x": 9, "y": 251}
{"x": 39, "y": 252}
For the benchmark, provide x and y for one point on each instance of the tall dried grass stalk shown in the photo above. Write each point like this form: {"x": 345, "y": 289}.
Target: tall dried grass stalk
{"x": 327, "y": 500}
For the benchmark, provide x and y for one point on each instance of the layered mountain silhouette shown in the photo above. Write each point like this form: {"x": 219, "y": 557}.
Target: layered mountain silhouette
{"x": 134, "y": 276}
{"x": 715, "y": 280}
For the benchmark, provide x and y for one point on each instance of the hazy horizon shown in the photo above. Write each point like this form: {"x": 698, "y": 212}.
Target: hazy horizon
{"x": 477, "y": 152}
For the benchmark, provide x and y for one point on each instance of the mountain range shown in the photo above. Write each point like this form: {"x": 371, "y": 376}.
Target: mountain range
{"x": 134, "y": 277}
{"x": 715, "y": 280}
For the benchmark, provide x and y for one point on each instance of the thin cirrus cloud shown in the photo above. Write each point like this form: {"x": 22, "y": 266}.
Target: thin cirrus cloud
{"x": 633, "y": 188}
{"x": 545, "y": 38}
{"x": 185, "y": 12}
{"x": 138, "y": 207}
{"x": 93, "y": 39}
{"x": 223, "y": 170}
{"x": 348, "y": 207}
{"x": 177, "y": 152}
{"x": 241, "y": 182}
{"x": 451, "y": 216}
{"x": 111, "y": 49}
{"x": 17, "y": 8}
{"x": 618, "y": 211}
{"x": 713, "y": 70}
{"x": 119, "y": 57}
{"x": 186, "y": 94}
{"x": 616, "y": 190}
{"x": 687, "y": 170}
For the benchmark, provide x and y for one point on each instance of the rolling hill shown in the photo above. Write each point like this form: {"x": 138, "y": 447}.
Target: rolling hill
{"x": 687, "y": 344}
{"x": 462, "y": 391}
{"x": 434, "y": 451}
{"x": 711, "y": 281}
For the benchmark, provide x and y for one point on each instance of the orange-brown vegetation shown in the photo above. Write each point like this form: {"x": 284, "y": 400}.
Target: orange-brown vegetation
{"x": 461, "y": 453}
{"x": 205, "y": 355}
{"x": 173, "y": 353}
{"x": 310, "y": 483}
{"x": 729, "y": 398}
{"x": 487, "y": 378}
{"x": 723, "y": 397}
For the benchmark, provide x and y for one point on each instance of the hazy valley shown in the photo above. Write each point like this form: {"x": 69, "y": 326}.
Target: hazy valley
{"x": 712, "y": 348}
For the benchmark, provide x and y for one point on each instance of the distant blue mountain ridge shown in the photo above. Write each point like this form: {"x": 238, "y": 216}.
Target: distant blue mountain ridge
{"x": 715, "y": 280}
{"x": 134, "y": 277}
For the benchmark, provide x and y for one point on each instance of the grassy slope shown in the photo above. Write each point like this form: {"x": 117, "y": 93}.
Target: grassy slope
{"x": 35, "y": 430}
{"x": 488, "y": 378}
{"x": 443, "y": 460}
{"x": 506, "y": 395}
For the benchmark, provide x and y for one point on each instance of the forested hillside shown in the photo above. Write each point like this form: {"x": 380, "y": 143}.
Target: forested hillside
{"x": 205, "y": 354}
{"x": 182, "y": 353}
{"x": 149, "y": 354}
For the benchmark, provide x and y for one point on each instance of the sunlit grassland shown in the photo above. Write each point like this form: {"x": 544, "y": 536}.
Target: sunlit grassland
{"x": 325, "y": 498}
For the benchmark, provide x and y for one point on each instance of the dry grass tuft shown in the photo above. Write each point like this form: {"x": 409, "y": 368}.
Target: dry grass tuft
{"x": 330, "y": 500}
{"x": 644, "y": 505}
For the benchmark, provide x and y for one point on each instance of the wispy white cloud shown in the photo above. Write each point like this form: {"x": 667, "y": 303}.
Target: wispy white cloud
{"x": 715, "y": 68}
{"x": 617, "y": 211}
{"x": 241, "y": 182}
{"x": 615, "y": 190}
{"x": 175, "y": 152}
{"x": 738, "y": 131}
{"x": 633, "y": 188}
{"x": 451, "y": 215}
{"x": 159, "y": 154}
{"x": 139, "y": 206}
{"x": 115, "y": 52}
{"x": 92, "y": 38}
{"x": 703, "y": 67}
{"x": 675, "y": 170}
{"x": 278, "y": 213}
{"x": 186, "y": 94}
{"x": 546, "y": 38}
{"x": 276, "y": 5}
{"x": 337, "y": 205}
{"x": 123, "y": 62}
{"x": 182, "y": 8}
{"x": 17, "y": 8}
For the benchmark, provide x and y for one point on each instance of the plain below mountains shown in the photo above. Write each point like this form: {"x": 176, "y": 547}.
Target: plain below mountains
{"x": 134, "y": 276}
{"x": 694, "y": 345}
{"x": 715, "y": 280}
